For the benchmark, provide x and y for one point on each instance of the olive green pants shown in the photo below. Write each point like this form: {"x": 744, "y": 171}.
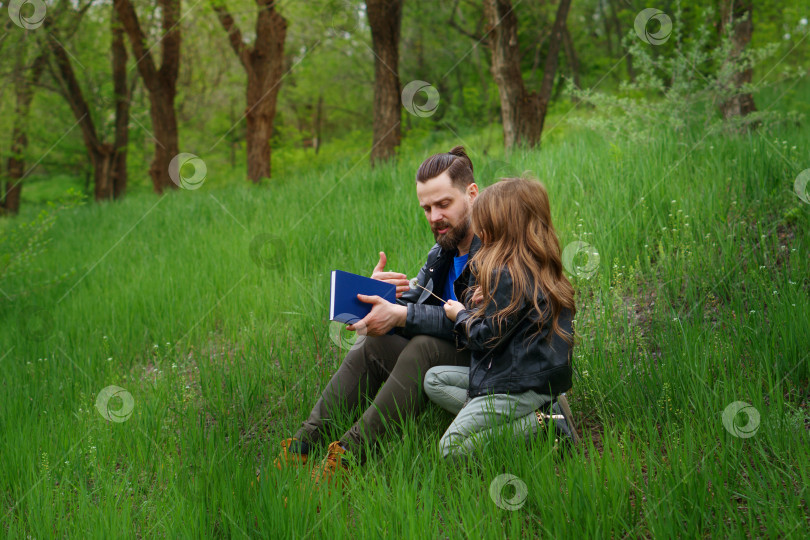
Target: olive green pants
{"x": 385, "y": 374}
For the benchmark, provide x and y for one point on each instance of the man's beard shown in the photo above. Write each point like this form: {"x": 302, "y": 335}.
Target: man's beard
{"x": 449, "y": 241}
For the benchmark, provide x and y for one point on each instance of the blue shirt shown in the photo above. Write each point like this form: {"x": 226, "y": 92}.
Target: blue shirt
{"x": 452, "y": 274}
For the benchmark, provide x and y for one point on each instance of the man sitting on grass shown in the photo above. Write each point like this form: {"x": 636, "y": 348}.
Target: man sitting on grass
{"x": 423, "y": 335}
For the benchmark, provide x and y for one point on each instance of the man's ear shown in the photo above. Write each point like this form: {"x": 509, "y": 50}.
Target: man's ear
{"x": 472, "y": 190}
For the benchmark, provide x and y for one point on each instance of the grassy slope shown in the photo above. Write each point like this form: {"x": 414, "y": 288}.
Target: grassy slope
{"x": 700, "y": 299}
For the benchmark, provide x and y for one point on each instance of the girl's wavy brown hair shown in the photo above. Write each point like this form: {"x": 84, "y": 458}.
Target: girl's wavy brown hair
{"x": 513, "y": 220}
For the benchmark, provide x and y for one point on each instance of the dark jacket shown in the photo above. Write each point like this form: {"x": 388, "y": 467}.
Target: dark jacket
{"x": 425, "y": 313}
{"x": 516, "y": 364}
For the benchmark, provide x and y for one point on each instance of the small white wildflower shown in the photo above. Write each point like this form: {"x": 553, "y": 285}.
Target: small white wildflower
{"x": 803, "y": 21}
{"x": 751, "y": 312}
{"x": 109, "y": 359}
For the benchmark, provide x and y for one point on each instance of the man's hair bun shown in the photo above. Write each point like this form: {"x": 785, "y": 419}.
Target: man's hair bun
{"x": 459, "y": 151}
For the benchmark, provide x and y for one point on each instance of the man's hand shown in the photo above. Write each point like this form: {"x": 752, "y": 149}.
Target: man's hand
{"x": 451, "y": 309}
{"x": 383, "y": 317}
{"x": 395, "y": 278}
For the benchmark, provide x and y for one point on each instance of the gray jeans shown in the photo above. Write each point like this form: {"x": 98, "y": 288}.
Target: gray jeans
{"x": 480, "y": 417}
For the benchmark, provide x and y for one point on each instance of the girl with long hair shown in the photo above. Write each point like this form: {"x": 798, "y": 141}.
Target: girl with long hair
{"x": 520, "y": 331}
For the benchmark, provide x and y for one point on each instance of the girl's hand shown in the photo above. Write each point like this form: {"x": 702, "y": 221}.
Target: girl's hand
{"x": 451, "y": 309}
{"x": 478, "y": 296}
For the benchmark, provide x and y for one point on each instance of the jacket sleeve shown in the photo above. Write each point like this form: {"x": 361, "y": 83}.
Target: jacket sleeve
{"x": 482, "y": 330}
{"x": 428, "y": 320}
{"x": 424, "y": 319}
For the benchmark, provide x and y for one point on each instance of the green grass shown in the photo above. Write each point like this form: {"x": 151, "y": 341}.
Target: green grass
{"x": 700, "y": 299}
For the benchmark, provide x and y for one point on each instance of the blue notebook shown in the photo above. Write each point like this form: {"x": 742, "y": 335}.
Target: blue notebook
{"x": 344, "y": 305}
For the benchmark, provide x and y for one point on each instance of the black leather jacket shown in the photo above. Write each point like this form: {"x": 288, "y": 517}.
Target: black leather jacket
{"x": 515, "y": 364}
{"x": 425, "y": 313}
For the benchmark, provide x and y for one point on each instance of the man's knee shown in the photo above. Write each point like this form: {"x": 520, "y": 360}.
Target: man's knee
{"x": 432, "y": 383}
{"x": 372, "y": 350}
{"x": 422, "y": 350}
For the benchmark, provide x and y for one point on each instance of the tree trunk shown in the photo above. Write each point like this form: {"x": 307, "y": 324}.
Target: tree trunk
{"x": 318, "y": 123}
{"x": 160, "y": 83}
{"x": 264, "y": 65}
{"x": 108, "y": 179}
{"x": 522, "y": 112}
{"x": 24, "y": 80}
{"x": 739, "y": 15}
{"x": 385, "y": 20}
{"x": 571, "y": 58}
{"x": 617, "y": 25}
{"x": 552, "y": 60}
{"x": 123, "y": 95}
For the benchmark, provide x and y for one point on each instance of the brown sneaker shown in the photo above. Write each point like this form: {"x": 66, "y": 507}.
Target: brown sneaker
{"x": 332, "y": 469}
{"x": 287, "y": 458}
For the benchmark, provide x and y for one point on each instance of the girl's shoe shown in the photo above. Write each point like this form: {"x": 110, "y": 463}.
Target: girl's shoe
{"x": 561, "y": 406}
{"x": 561, "y": 419}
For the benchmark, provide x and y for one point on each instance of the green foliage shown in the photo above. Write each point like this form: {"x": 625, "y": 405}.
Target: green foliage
{"x": 224, "y": 357}
{"x": 23, "y": 243}
{"x": 686, "y": 85}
